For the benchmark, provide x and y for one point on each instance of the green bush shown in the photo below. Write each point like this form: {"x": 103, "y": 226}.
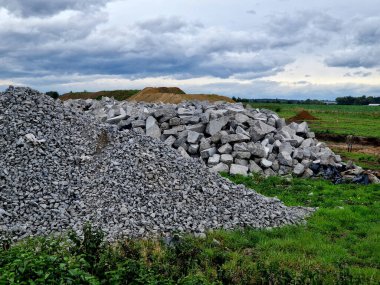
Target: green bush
{"x": 53, "y": 94}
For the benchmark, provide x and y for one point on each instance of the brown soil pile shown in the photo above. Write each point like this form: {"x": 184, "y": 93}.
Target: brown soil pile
{"x": 302, "y": 116}
{"x": 157, "y": 90}
{"x": 117, "y": 94}
{"x": 155, "y": 95}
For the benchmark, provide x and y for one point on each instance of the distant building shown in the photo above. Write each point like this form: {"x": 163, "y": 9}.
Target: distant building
{"x": 329, "y": 102}
{"x": 373, "y": 104}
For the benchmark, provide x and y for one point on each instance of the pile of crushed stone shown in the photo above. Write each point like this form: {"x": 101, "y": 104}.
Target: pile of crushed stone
{"x": 59, "y": 169}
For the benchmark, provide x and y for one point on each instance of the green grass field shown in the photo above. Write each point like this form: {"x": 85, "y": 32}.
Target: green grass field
{"x": 336, "y": 119}
{"x": 340, "y": 244}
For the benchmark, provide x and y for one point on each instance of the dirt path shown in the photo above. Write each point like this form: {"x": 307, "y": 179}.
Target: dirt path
{"x": 335, "y": 138}
{"x": 357, "y": 148}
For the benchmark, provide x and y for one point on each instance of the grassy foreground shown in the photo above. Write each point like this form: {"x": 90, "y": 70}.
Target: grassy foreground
{"x": 340, "y": 244}
{"x": 335, "y": 119}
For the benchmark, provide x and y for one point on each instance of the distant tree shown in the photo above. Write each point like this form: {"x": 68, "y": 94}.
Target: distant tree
{"x": 362, "y": 100}
{"x": 53, "y": 94}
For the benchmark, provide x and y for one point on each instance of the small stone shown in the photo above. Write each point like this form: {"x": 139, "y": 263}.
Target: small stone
{"x": 226, "y": 158}
{"x": 238, "y": 169}
{"x": 214, "y": 160}
{"x": 299, "y": 169}
{"x": 226, "y": 148}
{"x": 266, "y": 163}
{"x": 220, "y": 167}
{"x": 193, "y": 137}
{"x": 284, "y": 158}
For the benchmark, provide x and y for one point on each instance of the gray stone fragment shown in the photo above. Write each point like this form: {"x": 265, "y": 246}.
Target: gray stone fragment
{"x": 306, "y": 163}
{"x": 285, "y": 170}
{"x": 269, "y": 172}
{"x": 220, "y": 167}
{"x": 205, "y": 118}
{"x": 214, "y": 160}
{"x": 243, "y": 154}
{"x": 185, "y": 112}
{"x": 271, "y": 122}
{"x": 171, "y": 132}
{"x": 179, "y": 142}
{"x": 204, "y": 144}
{"x": 307, "y": 143}
{"x": 164, "y": 126}
{"x": 259, "y": 130}
{"x": 254, "y": 168}
{"x": 208, "y": 152}
{"x": 227, "y": 159}
{"x": 234, "y": 138}
{"x": 200, "y": 128}
{"x": 308, "y": 173}
{"x": 175, "y": 121}
{"x": 256, "y": 149}
{"x": 241, "y": 118}
{"x": 266, "y": 163}
{"x": 284, "y": 158}
{"x": 193, "y": 148}
{"x": 190, "y": 120}
{"x": 170, "y": 140}
{"x": 226, "y": 148}
{"x": 280, "y": 123}
{"x": 138, "y": 124}
{"x": 240, "y": 147}
{"x": 275, "y": 166}
{"x": 310, "y": 135}
{"x": 298, "y": 154}
{"x": 216, "y": 138}
{"x": 151, "y": 128}
{"x": 287, "y": 147}
{"x": 240, "y": 161}
{"x": 183, "y": 152}
{"x": 215, "y": 126}
{"x": 299, "y": 169}
{"x": 240, "y": 130}
{"x": 238, "y": 169}
{"x": 193, "y": 137}
{"x": 302, "y": 128}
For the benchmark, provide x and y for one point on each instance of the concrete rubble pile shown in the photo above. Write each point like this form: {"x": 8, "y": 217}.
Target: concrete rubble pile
{"x": 227, "y": 137}
{"x": 60, "y": 168}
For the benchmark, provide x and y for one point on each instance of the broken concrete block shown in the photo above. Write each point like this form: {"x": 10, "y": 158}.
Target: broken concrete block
{"x": 238, "y": 169}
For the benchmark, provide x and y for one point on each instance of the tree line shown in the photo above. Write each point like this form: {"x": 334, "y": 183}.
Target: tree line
{"x": 363, "y": 100}
{"x": 347, "y": 100}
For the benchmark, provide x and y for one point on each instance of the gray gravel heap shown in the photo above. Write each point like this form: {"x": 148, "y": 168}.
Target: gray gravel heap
{"x": 228, "y": 137}
{"x": 59, "y": 169}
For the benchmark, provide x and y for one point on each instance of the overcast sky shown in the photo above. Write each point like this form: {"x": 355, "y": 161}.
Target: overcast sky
{"x": 254, "y": 49}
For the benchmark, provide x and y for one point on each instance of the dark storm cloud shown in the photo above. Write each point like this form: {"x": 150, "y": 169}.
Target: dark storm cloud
{"x": 161, "y": 46}
{"x": 81, "y": 43}
{"x": 361, "y": 56}
{"x": 163, "y": 25}
{"x": 362, "y": 48}
{"x": 27, "y": 8}
{"x": 357, "y": 74}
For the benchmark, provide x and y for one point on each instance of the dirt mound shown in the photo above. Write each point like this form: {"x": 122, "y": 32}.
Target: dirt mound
{"x": 156, "y": 90}
{"x": 302, "y": 116}
{"x": 173, "y": 95}
{"x": 117, "y": 94}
